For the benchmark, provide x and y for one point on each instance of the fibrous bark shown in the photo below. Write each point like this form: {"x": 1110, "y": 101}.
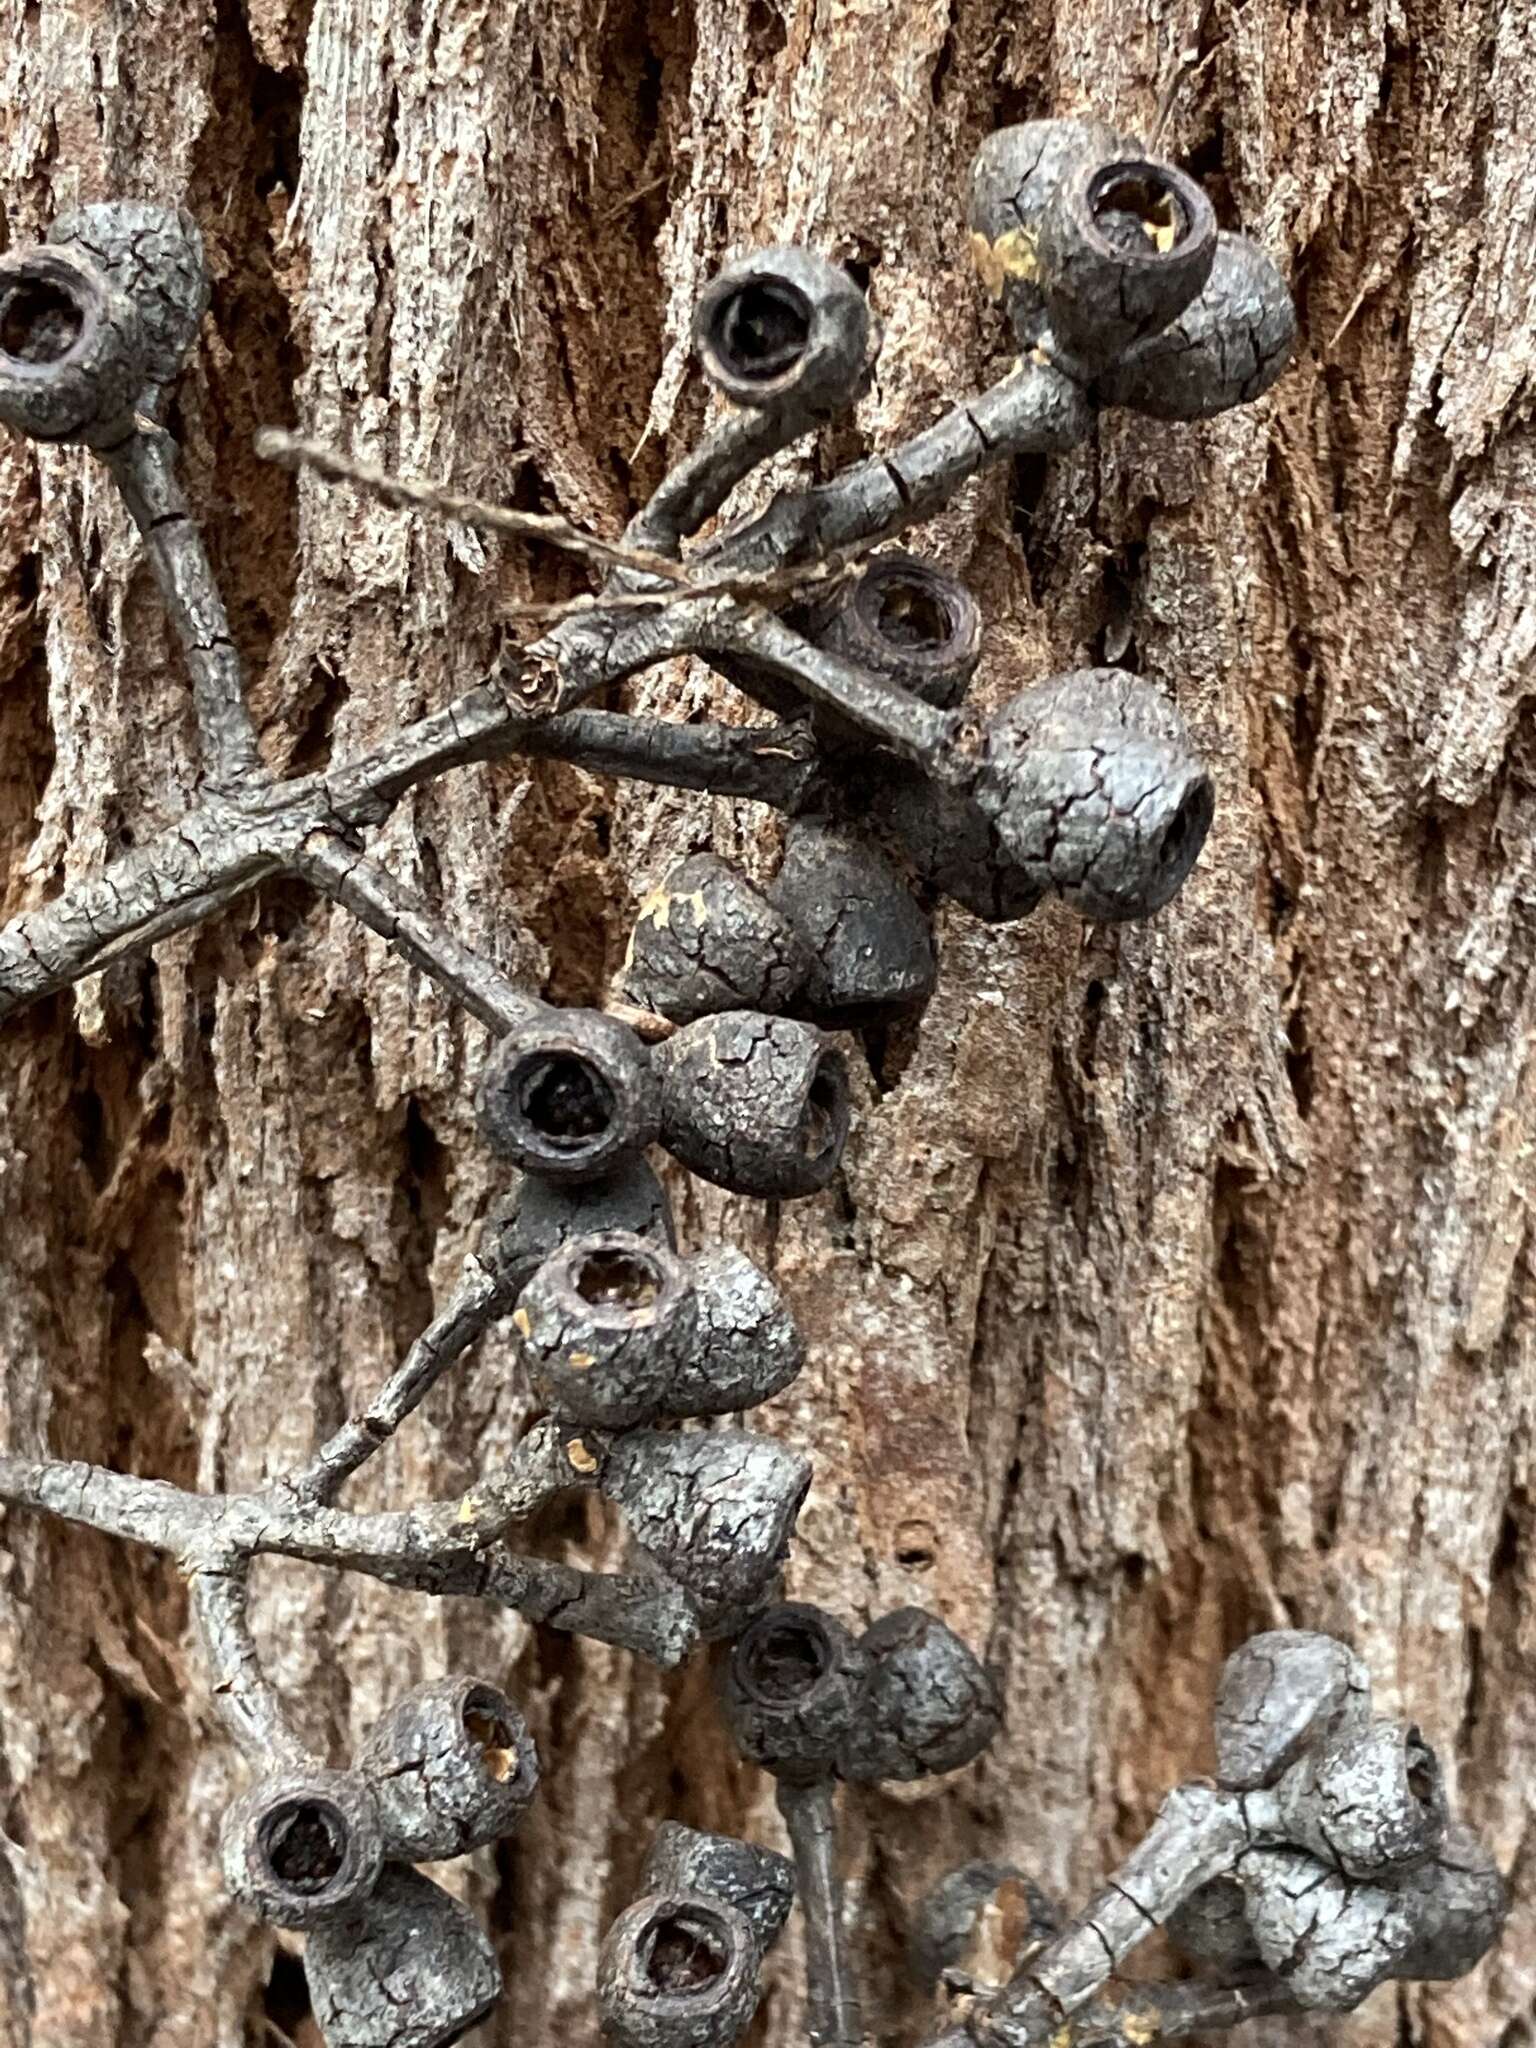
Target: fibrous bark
{"x": 1177, "y": 1282}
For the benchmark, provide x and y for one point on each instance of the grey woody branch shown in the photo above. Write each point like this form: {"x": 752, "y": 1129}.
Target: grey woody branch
{"x": 801, "y": 336}
{"x": 1324, "y": 1861}
{"x": 449, "y": 1548}
{"x": 1323, "y": 1864}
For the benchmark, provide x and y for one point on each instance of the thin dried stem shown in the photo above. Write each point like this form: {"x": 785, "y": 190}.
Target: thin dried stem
{"x": 833, "y": 2013}
{"x": 409, "y": 928}
{"x": 247, "y": 1701}
{"x": 475, "y": 1303}
{"x": 295, "y": 451}
{"x": 144, "y": 469}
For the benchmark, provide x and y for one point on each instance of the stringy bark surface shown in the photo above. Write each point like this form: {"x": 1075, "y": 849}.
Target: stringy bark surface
{"x": 1178, "y": 1281}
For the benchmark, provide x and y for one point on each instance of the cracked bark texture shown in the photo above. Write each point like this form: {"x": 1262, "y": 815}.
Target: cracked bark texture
{"x": 1178, "y": 1282}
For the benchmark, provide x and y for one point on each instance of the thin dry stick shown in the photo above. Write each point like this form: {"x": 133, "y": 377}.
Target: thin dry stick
{"x": 680, "y": 581}
{"x": 296, "y": 451}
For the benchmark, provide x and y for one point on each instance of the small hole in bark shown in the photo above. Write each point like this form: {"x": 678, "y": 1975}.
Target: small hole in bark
{"x": 761, "y": 330}
{"x": 917, "y": 1546}
{"x": 306, "y": 1845}
{"x": 565, "y": 1098}
{"x": 912, "y": 617}
{"x": 1137, "y": 211}
{"x": 618, "y": 1280}
{"x": 684, "y": 1954}
{"x": 39, "y": 323}
{"x": 494, "y": 1739}
{"x": 781, "y": 1661}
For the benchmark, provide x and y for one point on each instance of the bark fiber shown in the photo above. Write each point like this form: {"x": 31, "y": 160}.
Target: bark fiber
{"x": 1179, "y": 1281}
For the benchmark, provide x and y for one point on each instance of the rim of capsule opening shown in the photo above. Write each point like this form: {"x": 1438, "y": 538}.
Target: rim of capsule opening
{"x": 824, "y": 1120}
{"x": 1161, "y": 201}
{"x": 617, "y": 1282}
{"x": 568, "y": 1095}
{"x": 922, "y": 614}
{"x": 760, "y": 330}
{"x": 491, "y": 1734}
{"x": 564, "y": 1095}
{"x": 784, "y": 1658}
{"x": 46, "y": 313}
{"x": 306, "y": 1842}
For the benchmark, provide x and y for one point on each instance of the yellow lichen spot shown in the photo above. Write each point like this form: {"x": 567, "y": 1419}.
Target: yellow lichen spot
{"x": 581, "y": 1458}
{"x": 1139, "y": 2028}
{"x": 580, "y": 1361}
{"x": 656, "y": 909}
{"x": 469, "y": 1507}
{"x": 1011, "y": 255}
{"x": 1062, "y": 2038}
{"x": 520, "y": 1322}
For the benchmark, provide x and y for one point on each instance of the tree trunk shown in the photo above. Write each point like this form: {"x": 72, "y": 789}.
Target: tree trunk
{"x": 1178, "y": 1282}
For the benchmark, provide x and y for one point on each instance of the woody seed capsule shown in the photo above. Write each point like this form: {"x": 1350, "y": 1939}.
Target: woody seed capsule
{"x": 1212, "y": 1925}
{"x": 756, "y": 1104}
{"x": 925, "y": 1704}
{"x": 909, "y": 621}
{"x": 1015, "y": 175}
{"x": 1281, "y": 1693}
{"x": 1094, "y": 791}
{"x": 1125, "y": 243}
{"x": 678, "y": 1969}
{"x": 871, "y": 944}
{"x": 1328, "y": 1938}
{"x": 605, "y": 1325}
{"x": 782, "y": 329}
{"x": 71, "y": 348}
{"x": 523, "y": 1230}
{"x": 1226, "y": 348}
{"x": 952, "y": 843}
{"x": 759, "y": 1883}
{"x": 409, "y": 1966}
{"x": 715, "y": 1510}
{"x": 1370, "y": 1801}
{"x": 789, "y": 1690}
{"x": 1460, "y": 1902}
{"x": 153, "y": 254}
{"x": 747, "y": 1348}
{"x": 452, "y": 1766}
{"x": 707, "y": 941}
{"x": 569, "y": 1095}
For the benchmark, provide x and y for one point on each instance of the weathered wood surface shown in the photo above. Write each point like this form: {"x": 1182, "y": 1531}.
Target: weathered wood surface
{"x": 1179, "y": 1281}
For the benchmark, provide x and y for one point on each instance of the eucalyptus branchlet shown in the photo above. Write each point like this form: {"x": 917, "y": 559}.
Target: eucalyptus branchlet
{"x": 1324, "y": 1861}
